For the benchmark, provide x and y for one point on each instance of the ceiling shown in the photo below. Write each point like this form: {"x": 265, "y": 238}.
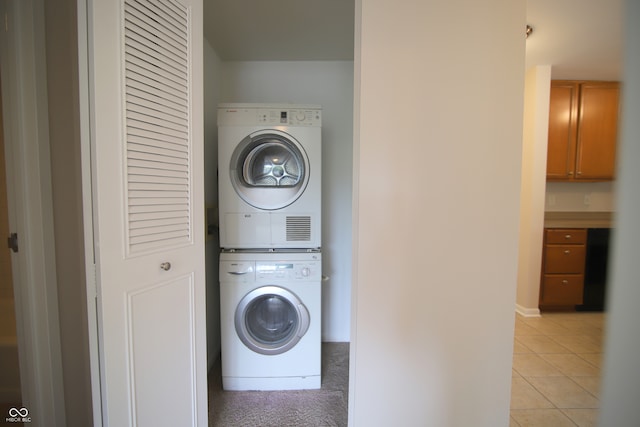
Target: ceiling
{"x": 580, "y": 39}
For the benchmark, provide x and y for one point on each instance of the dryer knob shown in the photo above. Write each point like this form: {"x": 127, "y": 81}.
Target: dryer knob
{"x": 306, "y": 272}
{"x": 300, "y": 116}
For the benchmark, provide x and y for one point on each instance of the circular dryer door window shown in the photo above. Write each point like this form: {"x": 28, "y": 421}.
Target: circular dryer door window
{"x": 271, "y": 320}
{"x": 269, "y": 170}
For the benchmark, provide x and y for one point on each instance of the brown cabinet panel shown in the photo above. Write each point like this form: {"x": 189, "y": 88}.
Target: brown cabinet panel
{"x": 583, "y": 130}
{"x": 562, "y": 289}
{"x": 559, "y": 259}
{"x": 563, "y": 265}
{"x": 563, "y": 236}
{"x": 598, "y": 131}
{"x": 563, "y": 115}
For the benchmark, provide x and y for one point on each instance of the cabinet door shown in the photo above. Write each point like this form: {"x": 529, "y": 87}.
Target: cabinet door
{"x": 561, "y": 259}
{"x": 597, "y": 131}
{"x": 562, "y": 290}
{"x": 563, "y": 115}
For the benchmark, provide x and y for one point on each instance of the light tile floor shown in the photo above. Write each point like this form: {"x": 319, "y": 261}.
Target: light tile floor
{"x": 556, "y": 370}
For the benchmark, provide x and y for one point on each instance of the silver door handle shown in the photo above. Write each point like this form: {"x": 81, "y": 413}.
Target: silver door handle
{"x": 237, "y": 273}
{"x": 166, "y": 266}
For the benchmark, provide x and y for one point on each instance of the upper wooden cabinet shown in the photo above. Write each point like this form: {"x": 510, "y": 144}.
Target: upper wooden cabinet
{"x": 583, "y": 129}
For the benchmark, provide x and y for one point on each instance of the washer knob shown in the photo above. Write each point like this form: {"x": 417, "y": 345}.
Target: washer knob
{"x": 300, "y": 116}
{"x": 306, "y": 272}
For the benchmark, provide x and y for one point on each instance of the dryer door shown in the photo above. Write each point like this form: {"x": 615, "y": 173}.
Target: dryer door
{"x": 271, "y": 320}
{"x": 269, "y": 169}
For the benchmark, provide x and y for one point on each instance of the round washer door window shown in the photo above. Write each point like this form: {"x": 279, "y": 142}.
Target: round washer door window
{"x": 271, "y": 320}
{"x": 269, "y": 170}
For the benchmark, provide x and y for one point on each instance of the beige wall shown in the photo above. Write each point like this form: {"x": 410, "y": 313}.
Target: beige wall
{"x": 66, "y": 181}
{"x": 534, "y": 163}
{"x": 439, "y": 109}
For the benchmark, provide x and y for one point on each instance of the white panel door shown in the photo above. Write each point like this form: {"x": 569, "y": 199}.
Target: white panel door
{"x": 145, "y": 60}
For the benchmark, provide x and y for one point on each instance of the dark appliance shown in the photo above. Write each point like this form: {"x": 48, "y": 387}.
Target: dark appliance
{"x": 595, "y": 275}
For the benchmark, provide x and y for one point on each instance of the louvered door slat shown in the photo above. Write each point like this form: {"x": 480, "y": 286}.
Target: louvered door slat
{"x": 152, "y": 136}
{"x": 135, "y": 172}
{"x": 147, "y": 231}
{"x": 153, "y": 194}
{"x": 158, "y": 179}
{"x": 139, "y": 104}
{"x": 168, "y": 222}
{"x": 168, "y": 75}
{"x": 166, "y": 116}
{"x": 155, "y": 208}
{"x": 151, "y": 100}
{"x": 169, "y": 20}
{"x": 158, "y": 201}
{"x": 146, "y": 36}
{"x": 147, "y": 148}
{"x": 157, "y": 125}
{"x": 157, "y": 167}
{"x": 132, "y": 19}
{"x": 155, "y": 215}
{"x": 151, "y": 186}
{"x": 137, "y": 137}
{"x": 153, "y": 57}
{"x": 155, "y": 158}
{"x": 169, "y": 87}
{"x": 164, "y": 97}
{"x": 160, "y": 236}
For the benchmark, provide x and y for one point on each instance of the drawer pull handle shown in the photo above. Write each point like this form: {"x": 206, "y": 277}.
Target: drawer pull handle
{"x": 567, "y": 252}
{"x": 565, "y": 282}
{"x": 567, "y": 236}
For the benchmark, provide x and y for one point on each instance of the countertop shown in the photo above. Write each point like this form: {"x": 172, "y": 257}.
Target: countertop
{"x": 578, "y": 219}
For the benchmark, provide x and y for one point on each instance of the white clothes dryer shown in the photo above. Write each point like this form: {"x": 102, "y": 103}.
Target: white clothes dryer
{"x": 269, "y": 174}
{"x": 270, "y": 308}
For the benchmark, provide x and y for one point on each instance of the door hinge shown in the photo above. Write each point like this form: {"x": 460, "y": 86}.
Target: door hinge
{"x": 12, "y": 242}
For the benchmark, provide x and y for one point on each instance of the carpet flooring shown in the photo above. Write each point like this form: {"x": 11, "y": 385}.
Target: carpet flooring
{"x": 324, "y": 407}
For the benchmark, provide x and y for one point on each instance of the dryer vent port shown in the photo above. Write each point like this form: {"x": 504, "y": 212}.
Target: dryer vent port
{"x": 298, "y": 228}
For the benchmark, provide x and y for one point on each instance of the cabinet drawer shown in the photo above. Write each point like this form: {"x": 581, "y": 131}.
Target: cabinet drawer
{"x": 566, "y": 235}
{"x": 562, "y": 289}
{"x": 564, "y": 259}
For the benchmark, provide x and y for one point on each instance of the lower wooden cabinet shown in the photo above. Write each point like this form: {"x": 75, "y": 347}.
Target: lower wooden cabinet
{"x": 563, "y": 262}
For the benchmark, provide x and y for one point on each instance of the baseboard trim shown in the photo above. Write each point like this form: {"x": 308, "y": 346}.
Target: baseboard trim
{"x": 527, "y": 312}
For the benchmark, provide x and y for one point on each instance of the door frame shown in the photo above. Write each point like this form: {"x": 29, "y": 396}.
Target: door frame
{"x": 24, "y": 89}
{"x": 84, "y": 82}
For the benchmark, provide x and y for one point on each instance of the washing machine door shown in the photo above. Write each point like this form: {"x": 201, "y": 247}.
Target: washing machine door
{"x": 271, "y": 320}
{"x": 269, "y": 169}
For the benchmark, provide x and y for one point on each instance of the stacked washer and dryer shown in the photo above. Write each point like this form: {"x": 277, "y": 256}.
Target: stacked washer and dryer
{"x": 269, "y": 166}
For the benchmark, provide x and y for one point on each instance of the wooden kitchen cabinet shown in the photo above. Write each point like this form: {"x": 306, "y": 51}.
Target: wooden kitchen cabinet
{"x": 563, "y": 265}
{"x": 583, "y": 130}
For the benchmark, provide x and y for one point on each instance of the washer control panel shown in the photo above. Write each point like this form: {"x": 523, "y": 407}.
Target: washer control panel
{"x": 288, "y": 271}
{"x": 270, "y": 115}
{"x": 289, "y": 117}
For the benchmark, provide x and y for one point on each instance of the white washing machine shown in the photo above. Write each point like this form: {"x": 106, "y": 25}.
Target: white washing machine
{"x": 270, "y": 308}
{"x": 269, "y": 164}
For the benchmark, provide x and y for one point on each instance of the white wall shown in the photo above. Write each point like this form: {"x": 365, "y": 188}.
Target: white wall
{"x": 580, "y": 197}
{"x": 439, "y": 110}
{"x": 212, "y": 73}
{"x": 620, "y": 391}
{"x": 534, "y": 165}
{"x": 330, "y": 84}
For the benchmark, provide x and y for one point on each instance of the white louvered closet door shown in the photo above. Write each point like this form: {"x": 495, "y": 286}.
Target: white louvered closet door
{"x": 145, "y": 60}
